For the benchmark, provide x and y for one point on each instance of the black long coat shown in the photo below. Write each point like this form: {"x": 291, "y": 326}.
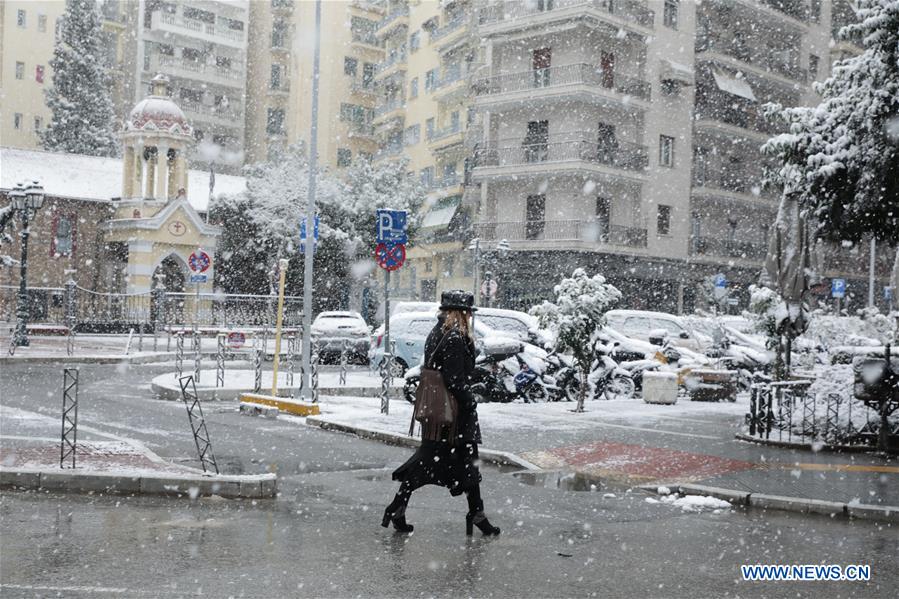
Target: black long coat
{"x": 451, "y": 463}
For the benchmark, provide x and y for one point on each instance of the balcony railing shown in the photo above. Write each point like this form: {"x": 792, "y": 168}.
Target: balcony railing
{"x": 753, "y": 56}
{"x": 726, "y": 178}
{"x": 607, "y": 152}
{"x": 453, "y": 25}
{"x": 200, "y": 67}
{"x": 394, "y": 56}
{"x": 366, "y": 37}
{"x": 282, "y": 5}
{"x": 591, "y": 231}
{"x": 389, "y": 106}
{"x": 445, "y": 132}
{"x": 362, "y": 129}
{"x": 217, "y": 112}
{"x": 745, "y": 119}
{"x": 200, "y": 27}
{"x": 729, "y": 248}
{"x": 446, "y": 182}
{"x": 363, "y": 88}
{"x": 570, "y": 74}
{"x": 397, "y": 12}
{"x": 515, "y": 10}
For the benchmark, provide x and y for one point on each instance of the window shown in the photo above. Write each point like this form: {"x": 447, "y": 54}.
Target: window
{"x": 17, "y": 120}
{"x": 813, "y": 62}
{"x": 275, "y": 122}
{"x": 199, "y": 15}
{"x": 430, "y": 80}
{"x": 663, "y": 221}
{"x": 415, "y": 41}
{"x": 20, "y": 18}
{"x": 448, "y": 266}
{"x": 449, "y": 171}
{"x": 603, "y": 218}
{"x": 368, "y": 74}
{"x": 429, "y": 128}
{"x": 353, "y": 113}
{"x": 413, "y": 88}
{"x": 192, "y": 55}
{"x": 39, "y": 73}
{"x": 223, "y": 62}
{"x": 349, "y": 66}
{"x": 166, "y": 49}
{"x": 815, "y": 10}
{"x": 20, "y": 70}
{"x": 279, "y": 34}
{"x": 454, "y": 120}
{"x": 38, "y": 123}
{"x": 535, "y": 213}
{"x": 412, "y": 135}
{"x": 666, "y": 151}
{"x": 63, "y": 243}
{"x": 275, "y": 81}
{"x": 42, "y": 23}
{"x": 427, "y": 177}
{"x": 670, "y": 13}
{"x": 344, "y": 157}
{"x": 429, "y": 266}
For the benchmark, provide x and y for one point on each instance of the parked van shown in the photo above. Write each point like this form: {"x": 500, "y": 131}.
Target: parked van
{"x": 640, "y": 323}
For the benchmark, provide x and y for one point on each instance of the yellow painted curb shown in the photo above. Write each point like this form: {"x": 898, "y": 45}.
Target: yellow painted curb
{"x": 299, "y": 408}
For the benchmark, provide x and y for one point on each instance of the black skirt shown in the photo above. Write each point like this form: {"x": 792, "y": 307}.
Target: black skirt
{"x": 440, "y": 463}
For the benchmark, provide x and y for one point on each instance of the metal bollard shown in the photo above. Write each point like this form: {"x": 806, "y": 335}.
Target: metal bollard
{"x": 257, "y": 365}
{"x": 313, "y": 364}
{"x": 140, "y": 337}
{"x": 179, "y": 354}
{"x": 291, "y": 350}
{"x": 197, "y": 356}
{"x": 385, "y": 384}
{"x": 69, "y": 440}
{"x": 220, "y": 361}
{"x": 343, "y": 360}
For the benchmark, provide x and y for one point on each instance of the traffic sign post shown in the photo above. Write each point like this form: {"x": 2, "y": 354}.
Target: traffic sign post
{"x": 198, "y": 262}
{"x": 838, "y": 291}
{"x": 390, "y": 254}
{"x": 303, "y": 234}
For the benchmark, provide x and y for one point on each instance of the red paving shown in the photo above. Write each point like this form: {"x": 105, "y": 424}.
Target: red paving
{"x": 97, "y": 456}
{"x": 647, "y": 462}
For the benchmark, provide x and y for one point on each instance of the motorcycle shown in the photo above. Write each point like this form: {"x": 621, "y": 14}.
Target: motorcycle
{"x": 562, "y": 369}
{"x": 606, "y": 377}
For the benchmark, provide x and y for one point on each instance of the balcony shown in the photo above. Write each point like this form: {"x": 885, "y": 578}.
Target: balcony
{"x": 282, "y": 7}
{"x": 364, "y": 131}
{"x": 723, "y": 180}
{"x": 197, "y": 30}
{"x": 450, "y": 33}
{"x": 227, "y": 117}
{"x": 394, "y": 61}
{"x": 565, "y": 152}
{"x": 513, "y": 15}
{"x": 282, "y": 89}
{"x": 556, "y": 82}
{"x": 716, "y": 247}
{"x": 453, "y": 84}
{"x": 397, "y": 17}
{"x": 191, "y": 69}
{"x": 364, "y": 89}
{"x": 735, "y": 121}
{"x": 761, "y": 61}
{"x": 367, "y": 40}
{"x": 585, "y": 232}
{"x": 448, "y": 136}
{"x": 389, "y": 152}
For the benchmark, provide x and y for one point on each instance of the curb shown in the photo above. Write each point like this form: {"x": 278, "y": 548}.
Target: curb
{"x": 807, "y": 446}
{"x": 493, "y": 456}
{"x": 255, "y": 486}
{"x": 802, "y": 505}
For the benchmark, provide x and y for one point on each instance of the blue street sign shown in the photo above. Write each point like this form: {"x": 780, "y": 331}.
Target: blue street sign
{"x": 838, "y": 288}
{"x": 888, "y": 293}
{"x": 720, "y": 280}
{"x": 303, "y": 234}
{"x": 199, "y": 278}
{"x": 391, "y": 227}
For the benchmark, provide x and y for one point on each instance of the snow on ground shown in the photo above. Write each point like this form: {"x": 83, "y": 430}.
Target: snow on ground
{"x": 692, "y": 503}
{"x": 245, "y": 379}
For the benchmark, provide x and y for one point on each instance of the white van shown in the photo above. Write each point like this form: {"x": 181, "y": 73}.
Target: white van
{"x": 639, "y": 323}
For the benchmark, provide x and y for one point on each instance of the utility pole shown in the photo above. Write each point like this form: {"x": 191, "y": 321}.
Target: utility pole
{"x": 310, "y": 209}
{"x": 871, "y": 273}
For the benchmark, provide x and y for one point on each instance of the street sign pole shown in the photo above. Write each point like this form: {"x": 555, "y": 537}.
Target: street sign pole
{"x": 310, "y": 208}
{"x": 282, "y": 273}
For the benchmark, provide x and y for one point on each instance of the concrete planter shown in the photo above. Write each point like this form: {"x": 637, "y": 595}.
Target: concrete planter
{"x": 660, "y": 387}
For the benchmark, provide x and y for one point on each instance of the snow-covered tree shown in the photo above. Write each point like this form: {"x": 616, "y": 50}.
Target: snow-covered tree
{"x": 6, "y": 216}
{"x": 83, "y": 120}
{"x": 576, "y": 317}
{"x": 841, "y": 158}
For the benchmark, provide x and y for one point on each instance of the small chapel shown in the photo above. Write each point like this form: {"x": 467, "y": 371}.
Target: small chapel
{"x": 119, "y": 225}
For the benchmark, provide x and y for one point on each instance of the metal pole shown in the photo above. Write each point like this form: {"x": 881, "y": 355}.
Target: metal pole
{"x": 477, "y": 259}
{"x": 871, "y": 273}
{"x": 387, "y": 357}
{"x": 21, "y": 336}
{"x": 282, "y": 272}
{"x": 310, "y": 206}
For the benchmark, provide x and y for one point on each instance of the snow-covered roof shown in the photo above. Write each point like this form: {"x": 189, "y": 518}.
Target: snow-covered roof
{"x": 95, "y": 178}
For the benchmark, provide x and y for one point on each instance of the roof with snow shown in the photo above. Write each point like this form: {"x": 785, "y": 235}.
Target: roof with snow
{"x": 95, "y": 178}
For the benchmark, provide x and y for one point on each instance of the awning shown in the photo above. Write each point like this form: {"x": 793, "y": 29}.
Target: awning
{"x": 732, "y": 85}
{"x": 676, "y": 72}
{"x": 441, "y": 213}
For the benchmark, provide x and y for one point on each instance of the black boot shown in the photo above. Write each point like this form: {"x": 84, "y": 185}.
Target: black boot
{"x": 478, "y": 519}
{"x": 396, "y": 513}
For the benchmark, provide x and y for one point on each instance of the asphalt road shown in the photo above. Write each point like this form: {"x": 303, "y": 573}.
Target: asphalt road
{"x": 322, "y": 537}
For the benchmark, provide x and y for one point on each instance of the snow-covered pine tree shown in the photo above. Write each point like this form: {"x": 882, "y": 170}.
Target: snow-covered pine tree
{"x": 83, "y": 120}
{"x": 841, "y": 158}
{"x": 576, "y": 317}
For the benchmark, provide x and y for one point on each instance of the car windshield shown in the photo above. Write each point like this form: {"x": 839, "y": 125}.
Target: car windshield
{"x": 504, "y": 324}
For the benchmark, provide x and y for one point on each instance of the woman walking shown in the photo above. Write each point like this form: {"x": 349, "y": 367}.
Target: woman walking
{"x": 449, "y": 460}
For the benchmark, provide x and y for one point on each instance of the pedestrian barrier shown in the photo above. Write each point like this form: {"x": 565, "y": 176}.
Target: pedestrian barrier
{"x": 343, "y": 362}
{"x": 69, "y": 440}
{"x": 197, "y": 423}
{"x": 197, "y": 355}
{"x": 179, "y": 354}
{"x": 291, "y": 351}
{"x": 257, "y": 366}
{"x": 220, "y": 360}
{"x": 313, "y": 365}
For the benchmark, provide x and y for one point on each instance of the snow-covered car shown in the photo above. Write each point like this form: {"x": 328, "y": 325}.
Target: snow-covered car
{"x": 638, "y": 324}
{"x": 333, "y": 330}
{"x": 406, "y": 307}
{"x": 512, "y": 323}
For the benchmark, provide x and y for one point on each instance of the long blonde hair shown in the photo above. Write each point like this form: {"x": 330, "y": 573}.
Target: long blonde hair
{"x": 459, "y": 320}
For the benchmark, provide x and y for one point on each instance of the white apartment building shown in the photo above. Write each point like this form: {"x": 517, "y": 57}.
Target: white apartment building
{"x": 623, "y": 136}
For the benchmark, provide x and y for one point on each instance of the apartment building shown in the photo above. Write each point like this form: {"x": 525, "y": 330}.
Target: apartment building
{"x": 27, "y": 36}
{"x": 623, "y": 136}
{"x": 279, "y": 78}
{"x": 424, "y": 113}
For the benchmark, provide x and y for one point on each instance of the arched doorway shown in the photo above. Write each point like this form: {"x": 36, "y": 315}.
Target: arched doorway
{"x": 170, "y": 273}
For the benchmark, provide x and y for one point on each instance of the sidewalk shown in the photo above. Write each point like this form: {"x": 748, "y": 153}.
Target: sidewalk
{"x": 634, "y": 443}
{"x": 30, "y": 460}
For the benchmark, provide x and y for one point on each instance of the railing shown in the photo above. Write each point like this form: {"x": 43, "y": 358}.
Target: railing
{"x": 397, "y": 12}
{"x": 200, "y": 108}
{"x": 446, "y": 182}
{"x": 453, "y": 25}
{"x": 559, "y": 76}
{"x": 364, "y": 88}
{"x": 389, "y": 151}
{"x": 394, "y": 56}
{"x": 725, "y": 178}
{"x": 749, "y": 120}
{"x": 787, "y": 412}
{"x": 284, "y": 5}
{"x": 283, "y": 86}
{"x": 362, "y": 129}
{"x": 563, "y": 230}
{"x": 733, "y": 248}
{"x": 445, "y": 132}
{"x": 617, "y": 154}
{"x": 451, "y": 76}
{"x": 45, "y": 304}
{"x": 515, "y": 10}
{"x": 389, "y": 106}
{"x": 749, "y": 55}
{"x": 796, "y": 9}
{"x": 199, "y": 67}
{"x": 200, "y": 26}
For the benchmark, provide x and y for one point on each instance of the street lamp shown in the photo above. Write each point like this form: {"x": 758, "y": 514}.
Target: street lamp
{"x": 24, "y": 199}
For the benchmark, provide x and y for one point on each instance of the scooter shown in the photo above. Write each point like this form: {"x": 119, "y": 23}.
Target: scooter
{"x": 607, "y": 378}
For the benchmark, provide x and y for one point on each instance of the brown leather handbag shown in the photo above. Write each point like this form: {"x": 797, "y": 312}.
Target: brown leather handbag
{"x": 435, "y": 407}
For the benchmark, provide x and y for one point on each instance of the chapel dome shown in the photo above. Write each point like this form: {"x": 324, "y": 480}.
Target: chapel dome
{"x": 157, "y": 112}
